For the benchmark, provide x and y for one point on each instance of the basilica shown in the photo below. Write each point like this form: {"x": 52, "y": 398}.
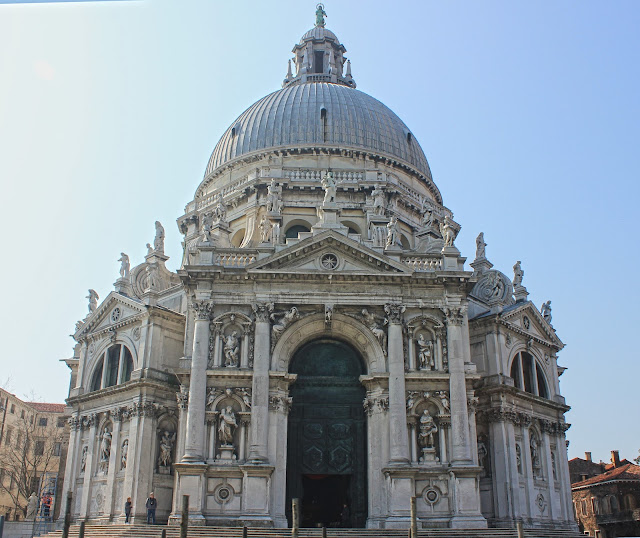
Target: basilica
{"x": 322, "y": 340}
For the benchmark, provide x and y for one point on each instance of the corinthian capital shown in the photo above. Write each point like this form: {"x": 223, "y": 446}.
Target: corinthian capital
{"x": 454, "y": 315}
{"x": 394, "y": 312}
{"x": 262, "y": 311}
{"x": 203, "y": 309}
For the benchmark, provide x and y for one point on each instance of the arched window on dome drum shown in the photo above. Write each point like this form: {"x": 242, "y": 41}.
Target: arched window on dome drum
{"x": 527, "y": 375}
{"x": 292, "y": 233}
{"x": 114, "y": 367}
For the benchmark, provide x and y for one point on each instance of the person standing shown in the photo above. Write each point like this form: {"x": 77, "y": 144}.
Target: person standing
{"x": 127, "y": 510}
{"x": 151, "y": 505}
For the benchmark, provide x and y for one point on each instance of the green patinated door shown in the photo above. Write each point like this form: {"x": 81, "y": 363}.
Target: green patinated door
{"x": 326, "y": 454}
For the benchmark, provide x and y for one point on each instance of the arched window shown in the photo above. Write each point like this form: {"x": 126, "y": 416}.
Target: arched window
{"x": 114, "y": 367}
{"x": 292, "y": 233}
{"x": 527, "y": 375}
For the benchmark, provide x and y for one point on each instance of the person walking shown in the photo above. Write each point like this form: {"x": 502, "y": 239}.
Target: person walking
{"x": 127, "y": 510}
{"x": 151, "y": 505}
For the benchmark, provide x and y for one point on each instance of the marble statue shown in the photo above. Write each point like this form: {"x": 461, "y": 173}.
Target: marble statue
{"x": 329, "y": 186}
{"x": 83, "y": 459}
{"x": 125, "y": 265}
{"x": 275, "y": 233}
{"x": 158, "y": 242}
{"x": 274, "y": 197}
{"x": 546, "y": 311}
{"x": 427, "y": 218}
{"x": 371, "y": 321}
{"x": 124, "y": 453}
{"x": 220, "y": 211}
{"x": 393, "y": 234}
{"x": 32, "y": 507}
{"x": 152, "y": 281}
{"x": 231, "y": 348}
{"x": 227, "y": 425}
{"x": 495, "y": 284}
{"x": 535, "y": 456}
{"x": 482, "y": 454}
{"x": 427, "y": 430}
{"x": 444, "y": 399}
{"x": 519, "y": 458}
{"x": 166, "y": 447}
{"x": 207, "y": 226}
{"x": 518, "y": 274}
{"x": 93, "y": 301}
{"x": 246, "y": 396}
{"x": 480, "y": 246}
{"x": 320, "y": 15}
{"x": 378, "y": 201}
{"x": 265, "y": 230}
{"x": 425, "y": 353}
{"x": 105, "y": 449}
{"x": 287, "y": 319}
{"x": 149, "y": 249}
{"x": 448, "y": 232}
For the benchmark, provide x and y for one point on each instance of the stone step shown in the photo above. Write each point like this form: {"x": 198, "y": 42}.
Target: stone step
{"x": 155, "y": 531}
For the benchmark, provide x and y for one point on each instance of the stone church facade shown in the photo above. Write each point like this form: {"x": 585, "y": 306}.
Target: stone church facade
{"x": 322, "y": 340}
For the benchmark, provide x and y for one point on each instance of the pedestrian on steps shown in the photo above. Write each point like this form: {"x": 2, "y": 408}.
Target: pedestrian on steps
{"x": 127, "y": 510}
{"x": 151, "y": 505}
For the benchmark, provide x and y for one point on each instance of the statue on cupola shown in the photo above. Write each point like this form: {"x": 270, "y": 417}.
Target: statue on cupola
{"x": 320, "y": 15}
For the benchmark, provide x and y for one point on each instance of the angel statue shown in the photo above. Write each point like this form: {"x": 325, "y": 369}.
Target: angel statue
{"x": 287, "y": 319}
{"x": 93, "y": 301}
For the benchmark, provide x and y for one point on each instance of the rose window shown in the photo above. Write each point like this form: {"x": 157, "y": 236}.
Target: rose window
{"x": 329, "y": 261}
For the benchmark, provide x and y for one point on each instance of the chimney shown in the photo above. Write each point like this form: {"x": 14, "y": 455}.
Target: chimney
{"x": 615, "y": 458}
{"x": 587, "y": 456}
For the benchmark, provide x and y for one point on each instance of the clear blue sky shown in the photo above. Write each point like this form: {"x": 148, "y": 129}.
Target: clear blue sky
{"x": 529, "y": 114}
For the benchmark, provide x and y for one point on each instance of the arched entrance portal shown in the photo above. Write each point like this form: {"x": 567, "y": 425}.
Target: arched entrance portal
{"x": 326, "y": 450}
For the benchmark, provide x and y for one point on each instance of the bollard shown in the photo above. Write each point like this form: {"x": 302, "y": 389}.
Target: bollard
{"x": 414, "y": 521}
{"x": 244, "y": 532}
{"x": 295, "y": 518}
{"x": 67, "y": 515}
{"x": 1, "y": 525}
{"x": 519, "y": 529}
{"x": 324, "y": 531}
{"x": 81, "y": 531}
{"x": 184, "y": 522}
{"x": 164, "y": 533}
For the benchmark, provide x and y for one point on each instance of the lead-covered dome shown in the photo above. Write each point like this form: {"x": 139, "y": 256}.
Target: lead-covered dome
{"x": 319, "y": 115}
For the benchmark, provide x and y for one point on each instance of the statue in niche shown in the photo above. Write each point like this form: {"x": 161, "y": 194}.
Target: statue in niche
{"x": 546, "y": 311}
{"x": 519, "y": 458}
{"x": 227, "y": 425}
{"x": 535, "y": 455}
{"x": 274, "y": 197}
{"x": 448, "y": 232}
{"x": 518, "y": 274}
{"x": 554, "y": 469}
{"x": 105, "y": 449}
{"x": 330, "y": 187}
{"x": 393, "y": 234}
{"x": 428, "y": 429}
{"x": 425, "y": 353}
{"x": 265, "y": 230}
{"x": 166, "y": 447}
{"x": 125, "y": 265}
{"x": 93, "y": 301}
{"x": 158, "y": 242}
{"x": 287, "y": 319}
{"x": 83, "y": 459}
{"x": 482, "y": 456}
{"x": 371, "y": 321}
{"x": 480, "y": 246}
{"x": 124, "y": 454}
{"x": 231, "y": 348}
{"x": 220, "y": 210}
{"x": 379, "y": 203}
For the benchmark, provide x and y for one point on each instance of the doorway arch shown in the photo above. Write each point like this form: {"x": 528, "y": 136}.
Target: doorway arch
{"x": 326, "y": 437}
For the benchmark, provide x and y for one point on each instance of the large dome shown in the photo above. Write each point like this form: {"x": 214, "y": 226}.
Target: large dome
{"x": 294, "y": 117}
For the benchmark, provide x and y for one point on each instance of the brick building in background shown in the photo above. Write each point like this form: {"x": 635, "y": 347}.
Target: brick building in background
{"x": 606, "y": 496}
{"x": 34, "y": 438}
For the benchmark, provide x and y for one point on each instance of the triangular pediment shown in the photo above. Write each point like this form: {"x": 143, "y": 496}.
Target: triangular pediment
{"x": 116, "y": 309}
{"x": 526, "y": 319}
{"x": 314, "y": 255}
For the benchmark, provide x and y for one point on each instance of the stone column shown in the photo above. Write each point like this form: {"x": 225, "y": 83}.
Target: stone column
{"x": 133, "y": 460}
{"x": 553, "y": 500}
{"x": 437, "y": 350}
{"x": 258, "y": 449}
{"x": 444, "y": 426}
{"x": 456, "y": 320}
{"x": 217, "y": 352}
{"x": 72, "y": 467}
{"x": 194, "y": 446}
{"x": 399, "y": 451}
{"x": 89, "y": 466}
{"x": 563, "y": 474}
{"x": 244, "y": 355}
{"x": 504, "y": 465}
{"x": 412, "y": 354}
{"x": 114, "y": 465}
{"x": 212, "y": 439}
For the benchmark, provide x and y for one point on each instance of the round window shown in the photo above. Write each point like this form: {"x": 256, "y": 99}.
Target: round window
{"x": 329, "y": 261}
{"x": 115, "y": 315}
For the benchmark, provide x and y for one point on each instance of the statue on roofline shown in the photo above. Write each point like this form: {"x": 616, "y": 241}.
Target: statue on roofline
{"x": 320, "y": 15}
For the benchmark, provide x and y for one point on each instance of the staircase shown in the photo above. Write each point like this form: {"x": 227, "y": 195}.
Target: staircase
{"x": 155, "y": 531}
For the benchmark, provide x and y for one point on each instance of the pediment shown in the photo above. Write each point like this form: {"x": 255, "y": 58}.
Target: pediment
{"x": 115, "y": 310}
{"x": 326, "y": 253}
{"x": 526, "y": 319}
